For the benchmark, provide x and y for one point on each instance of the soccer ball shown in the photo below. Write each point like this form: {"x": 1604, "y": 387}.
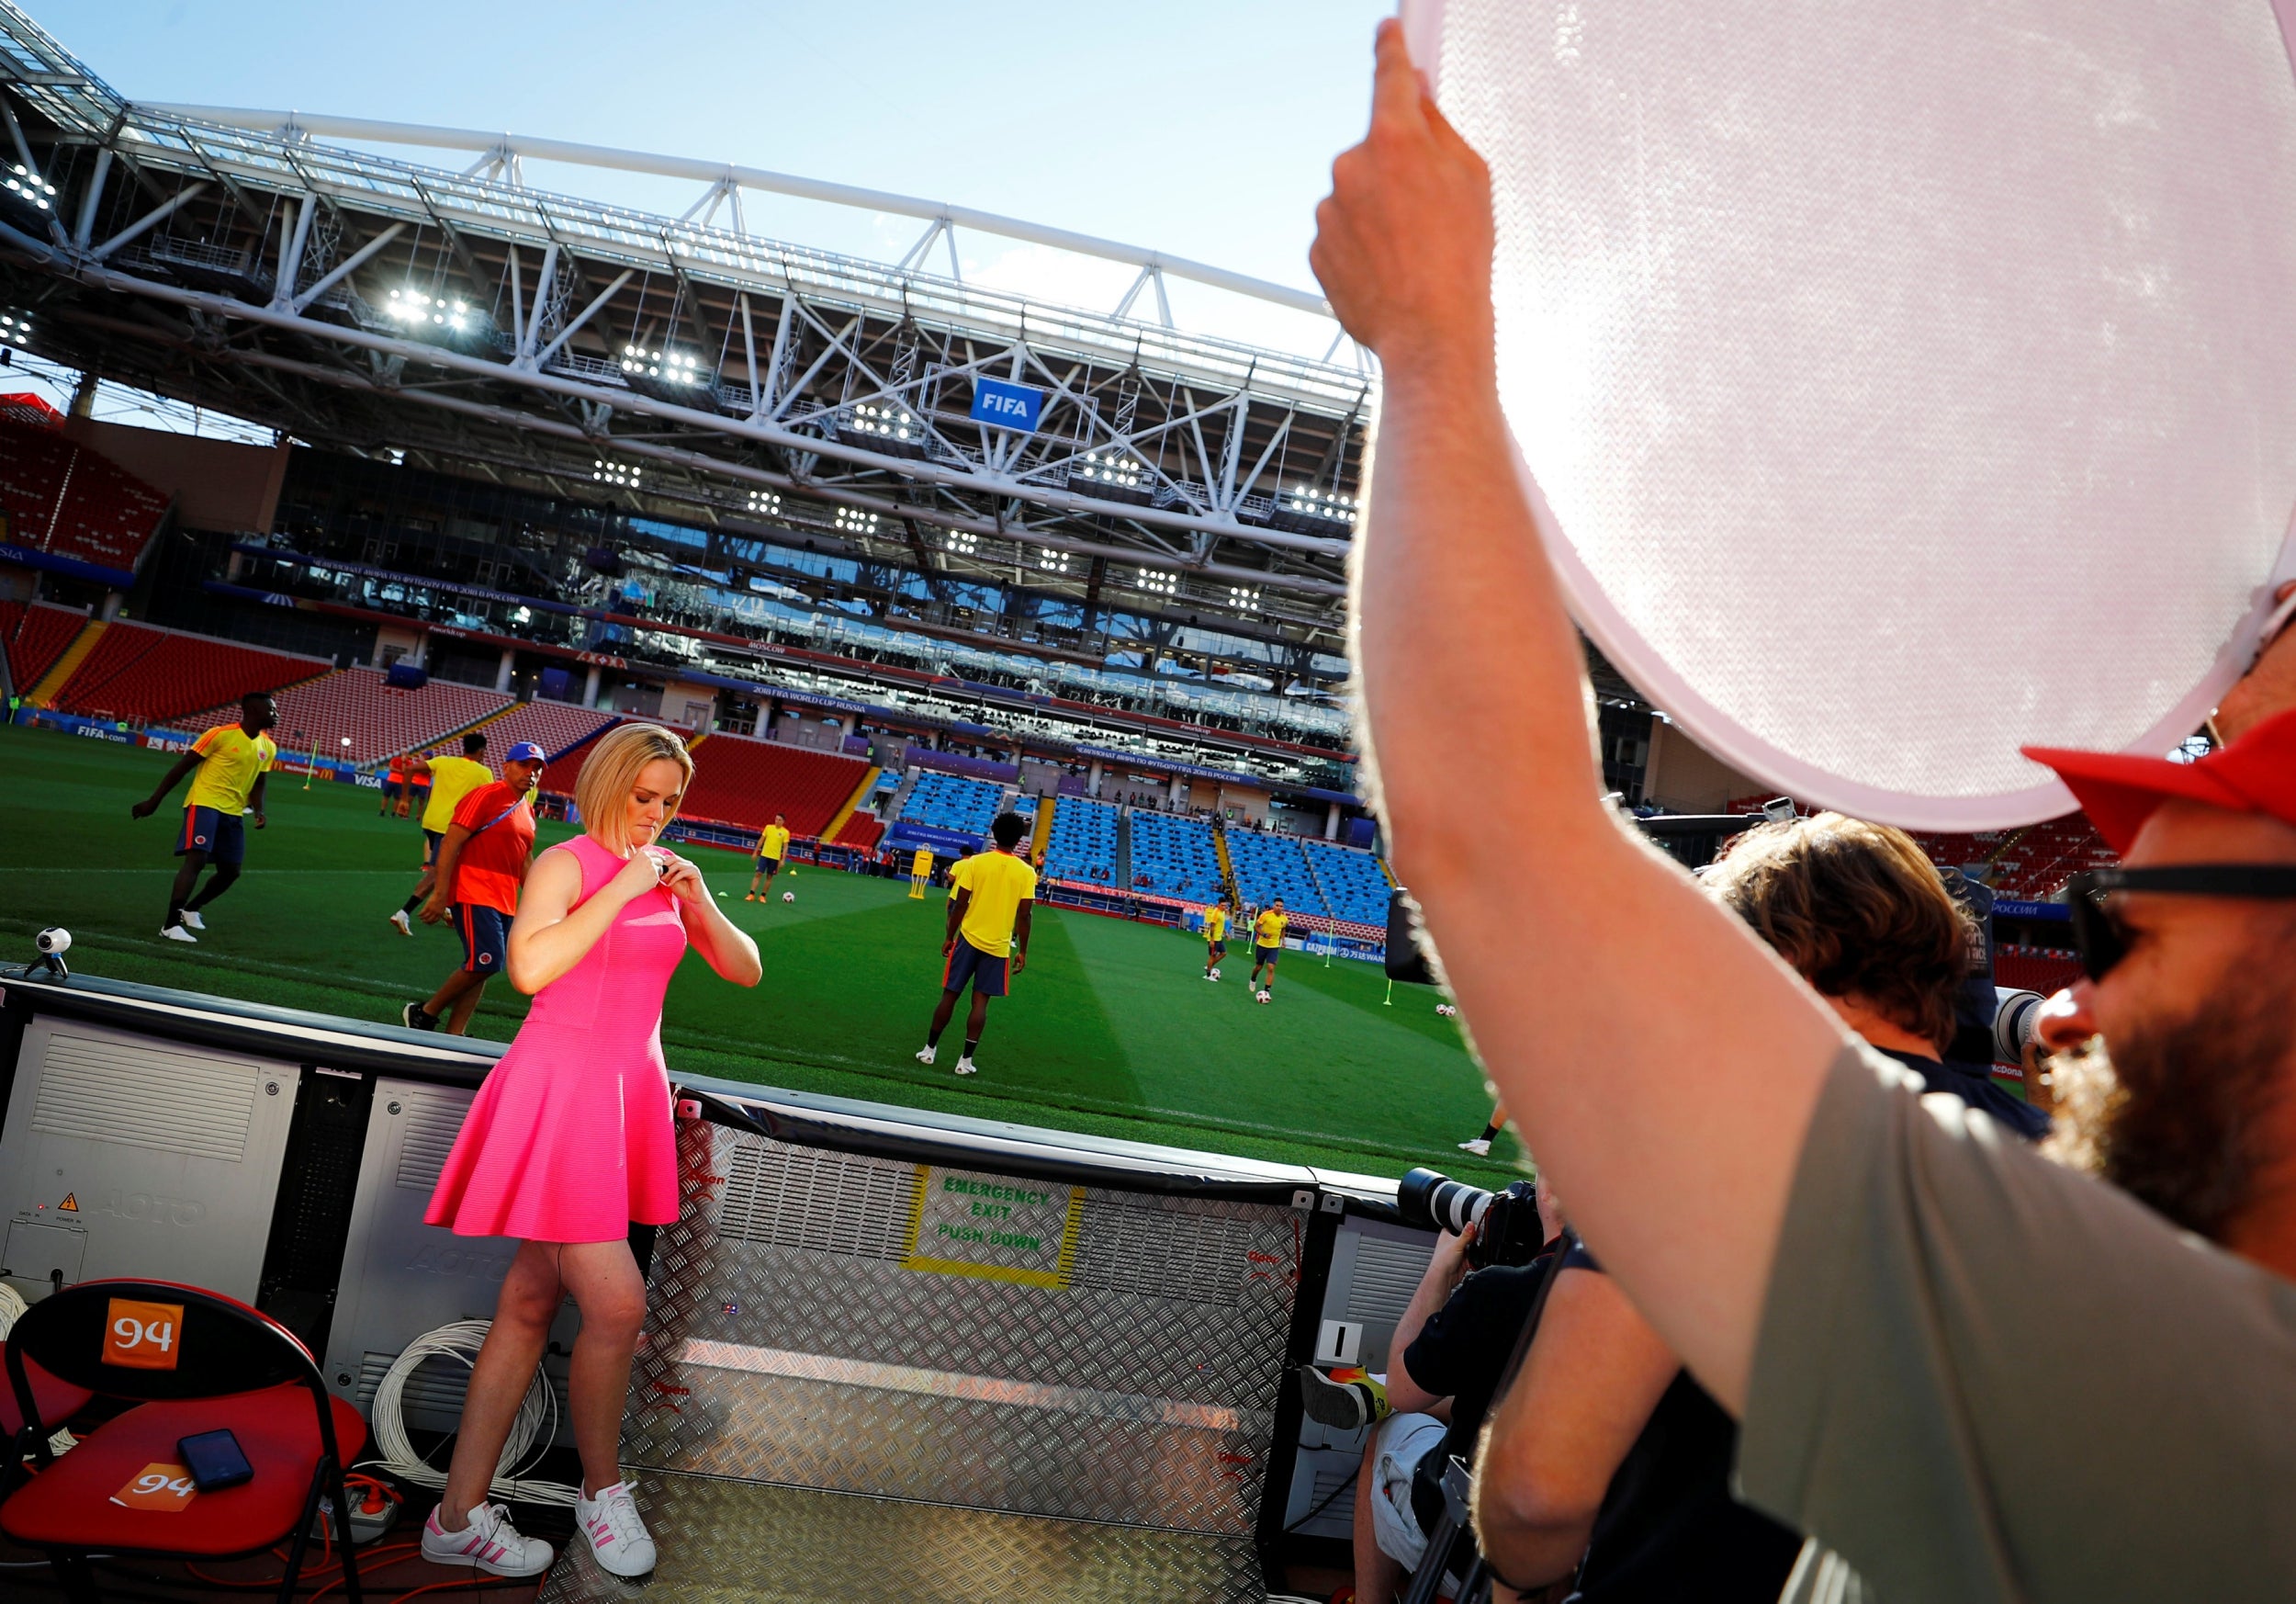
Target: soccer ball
{"x": 1215, "y": 974}
{"x": 1445, "y": 1010}
{"x": 789, "y": 896}
{"x": 1260, "y": 996}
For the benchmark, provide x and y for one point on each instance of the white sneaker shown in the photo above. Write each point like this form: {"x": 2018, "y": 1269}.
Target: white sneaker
{"x": 925, "y": 1055}
{"x": 1479, "y": 1146}
{"x": 192, "y": 920}
{"x": 490, "y": 1543}
{"x": 965, "y": 1067}
{"x": 176, "y": 932}
{"x": 398, "y": 918}
{"x": 615, "y": 1531}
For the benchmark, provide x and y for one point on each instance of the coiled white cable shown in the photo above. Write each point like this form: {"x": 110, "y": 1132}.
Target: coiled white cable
{"x": 11, "y": 1307}
{"x": 537, "y": 1424}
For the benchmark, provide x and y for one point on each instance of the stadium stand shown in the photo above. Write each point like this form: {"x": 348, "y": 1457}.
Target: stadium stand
{"x": 1082, "y": 845}
{"x": 948, "y": 802}
{"x": 2035, "y": 865}
{"x": 558, "y": 774}
{"x": 2042, "y": 969}
{"x": 552, "y": 725}
{"x": 1171, "y": 855}
{"x": 381, "y": 720}
{"x": 141, "y": 673}
{"x": 737, "y": 780}
{"x": 68, "y": 502}
{"x": 862, "y": 830}
{"x": 1268, "y": 866}
{"x": 34, "y": 635}
{"x": 1351, "y": 882}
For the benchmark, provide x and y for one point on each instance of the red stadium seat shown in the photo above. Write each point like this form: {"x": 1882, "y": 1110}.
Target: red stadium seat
{"x": 70, "y": 501}
{"x": 145, "y": 674}
{"x": 380, "y": 720}
{"x": 34, "y": 637}
{"x": 221, "y": 1365}
{"x": 555, "y": 726}
{"x": 745, "y": 781}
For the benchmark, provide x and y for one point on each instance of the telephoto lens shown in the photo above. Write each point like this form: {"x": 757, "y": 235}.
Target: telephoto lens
{"x": 1431, "y": 1201}
{"x": 2016, "y": 1016}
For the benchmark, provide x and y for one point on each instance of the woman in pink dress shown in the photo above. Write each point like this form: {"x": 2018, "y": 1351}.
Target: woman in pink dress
{"x": 571, "y": 1141}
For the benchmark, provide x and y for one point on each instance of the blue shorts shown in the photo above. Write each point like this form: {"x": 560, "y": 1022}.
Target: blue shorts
{"x": 222, "y": 836}
{"x": 769, "y": 868}
{"x": 431, "y": 842}
{"x": 1266, "y": 955}
{"x": 968, "y": 963}
{"x": 485, "y": 938}
{"x": 1219, "y": 949}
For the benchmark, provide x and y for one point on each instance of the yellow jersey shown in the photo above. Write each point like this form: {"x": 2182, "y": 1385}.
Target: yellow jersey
{"x": 1215, "y": 924}
{"x": 1000, "y": 883}
{"x": 922, "y": 863}
{"x": 1267, "y": 930}
{"x": 772, "y": 842}
{"x": 452, "y": 779}
{"x": 233, "y": 762}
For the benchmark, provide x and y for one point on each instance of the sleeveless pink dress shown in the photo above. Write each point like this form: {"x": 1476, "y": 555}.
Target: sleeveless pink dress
{"x": 570, "y": 1138}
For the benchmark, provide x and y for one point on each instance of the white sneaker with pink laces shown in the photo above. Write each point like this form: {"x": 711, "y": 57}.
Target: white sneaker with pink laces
{"x": 610, "y": 1524}
{"x": 489, "y": 1543}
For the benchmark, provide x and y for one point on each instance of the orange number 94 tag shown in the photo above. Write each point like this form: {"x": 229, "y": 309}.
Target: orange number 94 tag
{"x": 138, "y": 1336}
{"x": 157, "y": 1489}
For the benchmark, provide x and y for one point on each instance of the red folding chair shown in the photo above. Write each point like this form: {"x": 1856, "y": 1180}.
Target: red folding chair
{"x": 198, "y": 1361}
{"x": 58, "y": 1403}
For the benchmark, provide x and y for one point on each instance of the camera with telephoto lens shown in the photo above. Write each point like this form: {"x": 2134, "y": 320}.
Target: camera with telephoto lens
{"x": 1507, "y": 1225}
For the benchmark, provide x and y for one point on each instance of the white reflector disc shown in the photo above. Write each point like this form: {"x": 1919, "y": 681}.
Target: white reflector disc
{"x": 1899, "y": 384}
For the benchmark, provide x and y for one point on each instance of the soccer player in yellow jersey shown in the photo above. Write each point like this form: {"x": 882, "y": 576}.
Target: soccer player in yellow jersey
{"x": 452, "y": 779}
{"x": 1215, "y": 938}
{"x": 773, "y": 843}
{"x": 991, "y": 897}
{"x": 1267, "y": 946}
{"x": 920, "y": 871}
{"x": 231, "y": 761}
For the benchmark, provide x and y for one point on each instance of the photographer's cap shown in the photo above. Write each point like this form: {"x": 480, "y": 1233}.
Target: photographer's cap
{"x": 526, "y": 752}
{"x": 2255, "y": 773}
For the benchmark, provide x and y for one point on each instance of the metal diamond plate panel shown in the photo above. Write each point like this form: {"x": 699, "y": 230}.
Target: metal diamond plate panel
{"x": 737, "y": 1542}
{"x": 788, "y": 1343}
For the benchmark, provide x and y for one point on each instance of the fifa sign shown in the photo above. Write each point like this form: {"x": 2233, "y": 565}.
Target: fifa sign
{"x": 1006, "y": 406}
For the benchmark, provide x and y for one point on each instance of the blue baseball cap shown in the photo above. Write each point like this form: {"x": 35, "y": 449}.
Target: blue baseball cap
{"x": 526, "y": 752}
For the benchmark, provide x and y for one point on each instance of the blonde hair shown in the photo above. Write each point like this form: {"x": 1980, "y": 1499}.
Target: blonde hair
{"x": 602, "y": 791}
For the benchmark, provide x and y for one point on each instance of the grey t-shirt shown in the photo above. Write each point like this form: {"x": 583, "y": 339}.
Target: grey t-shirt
{"x": 1981, "y": 1376}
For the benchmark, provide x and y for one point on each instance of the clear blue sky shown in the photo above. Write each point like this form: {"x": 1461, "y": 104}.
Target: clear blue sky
{"x": 1200, "y": 128}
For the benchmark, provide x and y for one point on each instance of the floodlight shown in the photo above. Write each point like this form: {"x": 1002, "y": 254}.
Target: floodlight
{"x": 441, "y": 320}
{"x": 665, "y": 373}
{"x": 852, "y": 521}
{"x": 29, "y": 187}
{"x": 14, "y": 327}
{"x": 1112, "y": 475}
{"x": 885, "y": 427}
{"x": 1311, "y": 510}
{"x": 1246, "y": 597}
{"x": 767, "y": 501}
{"x": 964, "y": 542}
{"x": 1157, "y": 581}
{"x": 1051, "y": 561}
{"x": 611, "y": 472}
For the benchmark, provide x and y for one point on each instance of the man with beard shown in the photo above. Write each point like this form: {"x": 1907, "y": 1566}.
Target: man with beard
{"x": 1859, "y": 1274}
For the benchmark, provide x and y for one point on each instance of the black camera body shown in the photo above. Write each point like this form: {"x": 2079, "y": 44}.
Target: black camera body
{"x": 1507, "y": 1225}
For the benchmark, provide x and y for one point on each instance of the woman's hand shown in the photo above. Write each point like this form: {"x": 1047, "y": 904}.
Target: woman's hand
{"x": 683, "y": 880}
{"x": 639, "y": 876}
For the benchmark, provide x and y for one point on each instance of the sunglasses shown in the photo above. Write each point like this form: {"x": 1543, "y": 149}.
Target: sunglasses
{"x": 2100, "y": 938}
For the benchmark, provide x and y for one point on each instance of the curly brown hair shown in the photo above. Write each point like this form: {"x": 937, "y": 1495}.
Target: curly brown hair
{"x": 1857, "y": 911}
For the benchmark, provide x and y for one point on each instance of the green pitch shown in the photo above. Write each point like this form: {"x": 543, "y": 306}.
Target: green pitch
{"x": 1112, "y": 1029}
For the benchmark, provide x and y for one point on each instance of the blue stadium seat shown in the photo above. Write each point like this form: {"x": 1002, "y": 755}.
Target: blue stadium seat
{"x": 951, "y": 802}
{"x": 1082, "y": 845}
{"x": 1176, "y": 855}
{"x": 1351, "y": 882}
{"x": 1268, "y": 866}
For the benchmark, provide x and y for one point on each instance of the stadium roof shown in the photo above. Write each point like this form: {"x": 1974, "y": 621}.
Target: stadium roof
{"x": 672, "y": 364}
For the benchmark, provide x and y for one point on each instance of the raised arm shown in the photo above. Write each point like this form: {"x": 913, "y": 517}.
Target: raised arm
{"x": 546, "y": 939}
{"x": 724, "y": 946}
{"x": 1659, "y": 1061}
